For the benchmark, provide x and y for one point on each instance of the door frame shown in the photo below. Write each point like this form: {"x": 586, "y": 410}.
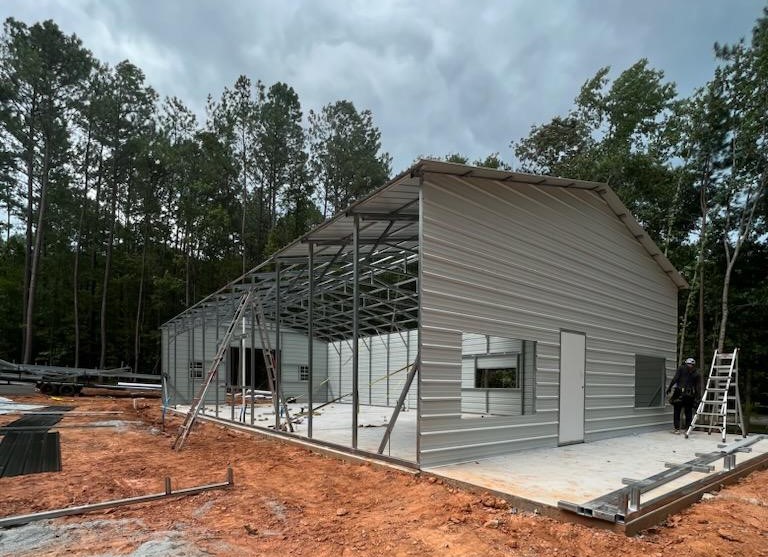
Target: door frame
{"x": 560, "y": 389}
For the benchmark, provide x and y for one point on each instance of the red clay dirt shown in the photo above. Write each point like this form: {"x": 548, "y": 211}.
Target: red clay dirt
{"x": 290, "y": 501}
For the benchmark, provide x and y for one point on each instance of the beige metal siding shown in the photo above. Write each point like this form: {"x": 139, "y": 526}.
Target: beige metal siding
{"x": 183, "y": 349}
{"x": 524, "y": 261}
{"x": 381, "y": 372}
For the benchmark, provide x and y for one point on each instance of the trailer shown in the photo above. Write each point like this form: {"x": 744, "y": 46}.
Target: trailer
{"x": 68, "y": 381}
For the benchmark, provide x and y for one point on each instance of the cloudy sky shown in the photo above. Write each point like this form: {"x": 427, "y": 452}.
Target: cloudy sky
{"x": 440, "y": 76}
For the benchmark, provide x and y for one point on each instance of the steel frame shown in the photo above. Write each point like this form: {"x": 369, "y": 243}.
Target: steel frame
{"x": 355, "y": 285}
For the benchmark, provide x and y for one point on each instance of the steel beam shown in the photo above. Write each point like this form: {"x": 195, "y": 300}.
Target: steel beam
{"x": 82, "y": 509}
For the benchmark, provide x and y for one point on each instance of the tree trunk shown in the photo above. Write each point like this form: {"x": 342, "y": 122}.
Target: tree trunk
{"x": 94, "y": 239}
{"x": 724, "y": 303}
{"x": 36, "y": 254}
{"x": 245, "y": 196}
{"x": 273, "y": 203}
{"x": 672, "y": 213}
{"x": 745, "y": 227}
{"x": 686, "y": 313}
{"x": 75, "y": 284}
{"x": 8, "y": 226}
{"x": 186, "y": 266}
{"x": 700, "y": 262}
{"x": 79, "y": 234}
{"x": 107, "y": 271}
{"x": 139, "y": 306}
{"x": 26, "y": 326}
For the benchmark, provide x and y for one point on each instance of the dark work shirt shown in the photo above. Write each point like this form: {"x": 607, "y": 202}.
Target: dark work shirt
{"x": 686, "y": 380}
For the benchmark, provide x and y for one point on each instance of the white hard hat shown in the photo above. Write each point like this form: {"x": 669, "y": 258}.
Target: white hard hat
{"x": 690, "y": 361}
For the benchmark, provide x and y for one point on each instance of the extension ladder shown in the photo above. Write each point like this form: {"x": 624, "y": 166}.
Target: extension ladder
{"x": 720, "y": 406}
{"x": 270, "y": 364}
{"x": 199, "y": 400}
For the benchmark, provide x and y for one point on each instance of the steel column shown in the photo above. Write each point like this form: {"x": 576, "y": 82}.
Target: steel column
{"x": 355, "y": 326}
{"x": 231, "y": 388}
{"x": 218, "y": 377}
{"x": 277, "y": 359}
{"x": 191, "y": 358}
{"x": 253, "y": 354}
{"x": 175, "y": 360}
{"x": 310, "y": 333}
{"x": 204, "y": 318}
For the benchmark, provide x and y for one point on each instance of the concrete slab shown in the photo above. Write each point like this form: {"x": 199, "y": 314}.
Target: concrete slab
{"x": 333, "y": 423}
{"x": 580, "y": 473}
{"x": 575, "y": 473}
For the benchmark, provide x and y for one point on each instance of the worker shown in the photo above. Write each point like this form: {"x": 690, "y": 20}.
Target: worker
{"x": 685, "y": 392}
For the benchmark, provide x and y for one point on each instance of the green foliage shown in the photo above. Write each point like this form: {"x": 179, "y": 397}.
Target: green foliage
{"x": 493, "y": 161}
{"x": 693, "y": 171}
{"x": 146, "y": 211}
{"x": 457, "y": 158}
{"x": 345, "y": 154}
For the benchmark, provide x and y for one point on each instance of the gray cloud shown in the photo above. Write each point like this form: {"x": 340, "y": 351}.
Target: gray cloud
{"x": 439, "y": 76}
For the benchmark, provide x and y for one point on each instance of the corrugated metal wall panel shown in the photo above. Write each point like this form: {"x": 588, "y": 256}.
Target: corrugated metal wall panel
{"x": 381, "y": 368}
{"x": 379, "y": 371}
{"x": 524, "y": 261}
{"x": 333, "y": 364}
{"x": 399, "y": 357}
{"x": 363, "y": 371}
{"x": 294, "y": 349}
{"x": 164, "y": 346}
{"x": 345, "y": 372}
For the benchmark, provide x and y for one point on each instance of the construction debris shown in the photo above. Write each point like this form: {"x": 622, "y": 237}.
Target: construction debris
{"x": 83, "y": 509}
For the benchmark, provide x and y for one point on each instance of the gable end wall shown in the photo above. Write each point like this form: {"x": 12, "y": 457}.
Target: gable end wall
{"x": 523, "y": 261}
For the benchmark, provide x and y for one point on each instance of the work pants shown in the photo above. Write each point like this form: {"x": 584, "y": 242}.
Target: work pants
{"x": 679, "y": 407}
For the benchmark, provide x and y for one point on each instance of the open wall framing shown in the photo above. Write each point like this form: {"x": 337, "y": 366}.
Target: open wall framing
{"x": 519, "y": 303}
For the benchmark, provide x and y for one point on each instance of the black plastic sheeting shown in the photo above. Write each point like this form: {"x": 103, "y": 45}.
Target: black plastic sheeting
{"x": 30, "y": 453}
{"x": 25, "y": 452}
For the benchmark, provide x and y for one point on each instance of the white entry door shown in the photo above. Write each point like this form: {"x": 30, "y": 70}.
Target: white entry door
{"x": 573, "y": 348}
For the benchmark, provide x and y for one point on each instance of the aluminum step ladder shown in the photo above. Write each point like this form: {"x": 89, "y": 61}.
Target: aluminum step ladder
{"x": 271, "y": 365}
{"x": 199, "y": 400}
{"x": 720, "y": 407}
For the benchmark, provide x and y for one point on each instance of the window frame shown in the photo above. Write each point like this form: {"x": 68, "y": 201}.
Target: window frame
{"x": 196, "y": 369}
{"x": 303, "y": 370}
{"x": 640, "y": 366}
{"x": 484, "y": 370}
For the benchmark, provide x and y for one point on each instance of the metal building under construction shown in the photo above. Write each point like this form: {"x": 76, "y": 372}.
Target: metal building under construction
{"x": 497, "y": 311}
{"x": 507, "y": 332}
